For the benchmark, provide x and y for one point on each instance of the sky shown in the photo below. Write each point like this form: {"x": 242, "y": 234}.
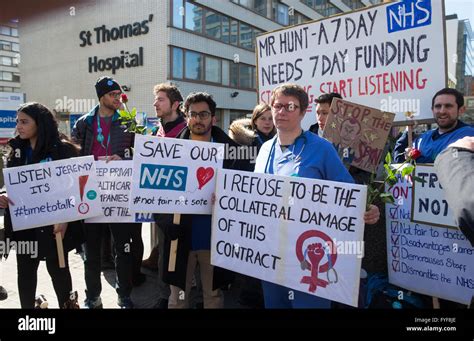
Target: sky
{"x": 463, "y": 8}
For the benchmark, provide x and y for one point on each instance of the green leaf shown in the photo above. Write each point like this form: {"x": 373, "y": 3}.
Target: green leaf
{"x": 388, "y": 158}
{"x": 389, "y": 170}
{"x": 375, "y": 192}
{"x": 387, "y": 198}
{"x": 140, "y": 130}
{"x": 125, "y": 115}
{"x": 408, "y": 170}
{"x": 392, "y": 180}
{"x": 418, "y": 179}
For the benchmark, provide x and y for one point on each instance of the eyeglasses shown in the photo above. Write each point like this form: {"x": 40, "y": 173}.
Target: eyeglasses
{"x": 290, "y": 107}
{"x": 202, "y": 115}
{"x": 114, "y": 94}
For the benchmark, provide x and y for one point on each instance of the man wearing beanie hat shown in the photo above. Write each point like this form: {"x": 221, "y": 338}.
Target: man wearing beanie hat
{"x": 104, "y": 85}
{"x": 101, "y": 134}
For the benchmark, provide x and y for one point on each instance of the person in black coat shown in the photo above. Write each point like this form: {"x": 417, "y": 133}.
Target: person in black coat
{"x": 39, "y": 140}
{"x": 101, "y": 133}
{"x": 322, "y": 112}
{"x": 254, "y": 131}
{"x": 194, "y": 231}
{"x": 3, "y": 291}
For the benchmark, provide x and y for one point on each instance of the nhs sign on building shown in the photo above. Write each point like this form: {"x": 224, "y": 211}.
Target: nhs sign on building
{"x": 9, "y": 102}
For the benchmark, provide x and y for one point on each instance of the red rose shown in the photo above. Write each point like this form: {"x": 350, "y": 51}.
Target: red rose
{"x": 414, "y": 154}
{"x": 124, "y": 98}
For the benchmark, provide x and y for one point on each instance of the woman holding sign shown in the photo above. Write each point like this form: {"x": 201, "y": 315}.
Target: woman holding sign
{"x": 253, "y": 133}
{"x": 295, "y": 152}
{"x": 39, "y": 140}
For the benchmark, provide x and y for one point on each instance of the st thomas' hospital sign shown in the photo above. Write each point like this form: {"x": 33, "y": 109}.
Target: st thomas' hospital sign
{"x": 103, "y": 34}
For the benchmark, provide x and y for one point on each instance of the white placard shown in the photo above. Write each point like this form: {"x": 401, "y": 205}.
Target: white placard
{"x": 383, "y": 57}
{"x": 435, "y": 261}
{"x": 302, "y": 233}
{"x": 52, "y": 192}
{"x": 429, "y": 205}
{"x": 174, "y": 175}
{"x": 115, "y": 179}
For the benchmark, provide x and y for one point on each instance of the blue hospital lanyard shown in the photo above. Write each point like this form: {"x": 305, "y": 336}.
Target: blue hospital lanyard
{"x": 271, "y": 155}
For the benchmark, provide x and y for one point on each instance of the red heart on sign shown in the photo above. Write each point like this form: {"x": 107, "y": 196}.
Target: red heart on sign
{"x": 204, "y": 175}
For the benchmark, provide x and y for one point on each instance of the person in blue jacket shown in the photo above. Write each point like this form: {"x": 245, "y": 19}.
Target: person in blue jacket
{"x": 295, "y": 152}
{"x": 447, "y": 106}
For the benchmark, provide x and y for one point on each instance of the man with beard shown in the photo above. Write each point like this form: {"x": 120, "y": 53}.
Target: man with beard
{"x": 194, "y": 231}
{"x": 447, "y": 106}
{"x": 167, "y": 104}
{"x": 168, "y": 100}
{"x": 100, "y": 133}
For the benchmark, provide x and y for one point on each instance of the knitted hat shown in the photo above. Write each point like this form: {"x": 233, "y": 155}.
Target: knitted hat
{"x": 106, "y": 84}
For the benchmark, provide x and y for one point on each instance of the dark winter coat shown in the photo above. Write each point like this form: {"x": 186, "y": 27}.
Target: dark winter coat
{"x": 73, "y": 237}
{"x": 183, "y": 232}
{"x": 121, "y": 141}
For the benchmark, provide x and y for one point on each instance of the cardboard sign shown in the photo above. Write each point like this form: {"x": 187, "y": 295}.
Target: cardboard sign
{"x": 429, "y": 205}
{"x": 383, "y": 57}
{"x": 115, "y": 179}
{"x": 174, "y": 175}
{"x": 53, "y": 192}
{"x": 359, "y": 133}
{"x": 302, "y": 233}
{"x": 435, "y": 261}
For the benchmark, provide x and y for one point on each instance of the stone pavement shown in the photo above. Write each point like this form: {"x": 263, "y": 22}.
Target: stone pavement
{"x": 145, "y": 296}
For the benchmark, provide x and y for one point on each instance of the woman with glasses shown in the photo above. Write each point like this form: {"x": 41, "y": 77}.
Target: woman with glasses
{"x": 295, "y": 152}
{"x": 39, "y": 140}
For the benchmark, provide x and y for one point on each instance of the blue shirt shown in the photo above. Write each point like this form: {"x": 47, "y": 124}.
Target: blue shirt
{"x": 201, "y": 232}
{"x": 310, "y": 156}
{"x": 432, "y": 143}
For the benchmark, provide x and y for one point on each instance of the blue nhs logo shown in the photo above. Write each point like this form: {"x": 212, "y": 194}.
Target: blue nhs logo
{"x": 408, "y": 14}
{"x": 163, "y": 177}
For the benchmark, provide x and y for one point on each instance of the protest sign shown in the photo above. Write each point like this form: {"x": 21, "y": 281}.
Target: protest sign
{"x": 174, "y": 175}
{"x": 429, "y": 205}
{"x": 115, "y": 179}
{"x": 302, "y": 233}
{"x": 53, "y": 192}
{"x": 382, "y": 57}
{"x": 435, "y": 261}
{"x": 152, "y": 124}
{"x": 359, "y": 133}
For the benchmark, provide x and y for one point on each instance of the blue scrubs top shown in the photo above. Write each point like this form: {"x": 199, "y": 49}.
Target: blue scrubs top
{"x": 310, "y": 156}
